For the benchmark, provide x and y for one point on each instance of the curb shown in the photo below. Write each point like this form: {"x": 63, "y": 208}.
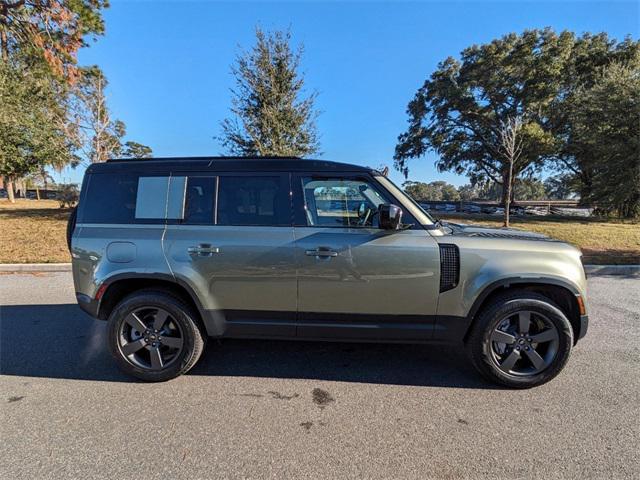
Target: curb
{"x": 35, "y": 267}
{"x": 593, "y": 270}
{"x": 590, "y": 270}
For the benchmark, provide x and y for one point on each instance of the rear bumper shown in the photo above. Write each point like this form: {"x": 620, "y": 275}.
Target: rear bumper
{"x": 88, "y": 304}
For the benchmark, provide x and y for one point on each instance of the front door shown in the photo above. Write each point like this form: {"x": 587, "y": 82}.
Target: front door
{"x": 356, "y": 280}
{"x": 235, "y": 249}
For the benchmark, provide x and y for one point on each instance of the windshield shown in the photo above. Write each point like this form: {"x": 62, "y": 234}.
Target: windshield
{"x": 420, "y": 214}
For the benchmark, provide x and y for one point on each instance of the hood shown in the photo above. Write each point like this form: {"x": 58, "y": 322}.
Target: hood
{"x": 480, "y": 231}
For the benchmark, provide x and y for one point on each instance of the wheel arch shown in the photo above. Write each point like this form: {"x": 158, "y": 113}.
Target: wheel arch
{"x": 120, "y": 286}
{"x": 563, "y": 294}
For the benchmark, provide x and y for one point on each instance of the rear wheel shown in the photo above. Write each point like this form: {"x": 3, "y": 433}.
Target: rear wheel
{"x": 520, "y": 340}
{"x": 154, "y": 336}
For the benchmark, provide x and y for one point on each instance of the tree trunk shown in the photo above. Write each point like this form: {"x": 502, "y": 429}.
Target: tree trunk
{"x": 4, "y": 45}
{"x": 508, "y": 193}
{"x": 10, "y": 195}
{"x": 43, "y": 172}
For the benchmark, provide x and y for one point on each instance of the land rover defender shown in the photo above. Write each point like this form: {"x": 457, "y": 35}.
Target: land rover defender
{"x": 173, "y": 251}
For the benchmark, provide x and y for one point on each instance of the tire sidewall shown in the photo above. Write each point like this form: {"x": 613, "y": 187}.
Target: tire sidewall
{"x": 180, "y": 314}
{"x": 511, "y": 306}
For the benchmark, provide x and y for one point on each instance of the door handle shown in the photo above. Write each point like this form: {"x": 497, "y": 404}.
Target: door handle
{"x": 203, "y": 250}
{"x": 321, "y": 253}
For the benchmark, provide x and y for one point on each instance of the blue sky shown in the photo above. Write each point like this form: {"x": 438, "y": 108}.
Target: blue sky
{"x": 168, "y": 63}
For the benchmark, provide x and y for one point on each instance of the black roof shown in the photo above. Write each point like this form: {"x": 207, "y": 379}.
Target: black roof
{"x": 225, "y": 164}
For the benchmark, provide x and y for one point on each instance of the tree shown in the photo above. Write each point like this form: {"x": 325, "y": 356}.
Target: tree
{"x": 136, "y": 150}
{"x": 590, "y": 56}
{"x": 31, "y": 123}
{"x": 561, "y": 187}
{"x": 421, "y": 192}
{"x": 469, "y": 192}
{"x": 39, "y": 40}
{"x": 51, "y": 30}
{"x": 69, "y": 195}
{"x": 270, "y": 116}
{"x": 100, "y": 137}
{"x": 434, "y": 191}
{"x": 523, "y": 189}
{"x": 606, "y": 125}
{"x": 529, "y": 189}
{"x": 510, "y": 147}
{"x": 460, "y": 109}
{"x": 38, "y": 180}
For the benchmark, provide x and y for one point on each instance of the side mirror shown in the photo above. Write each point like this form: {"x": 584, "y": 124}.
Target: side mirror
{"x": 390, "y": 216}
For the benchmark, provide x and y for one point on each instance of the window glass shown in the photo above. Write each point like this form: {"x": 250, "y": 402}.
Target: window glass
{"x": 111, "y": 198}
{"x": 176, "y": 197}
{"x": 246, "y": 200}
{"x": 151, "y": 199}
{"x": 341, "y": 202}
{"x": 200, "y": 199}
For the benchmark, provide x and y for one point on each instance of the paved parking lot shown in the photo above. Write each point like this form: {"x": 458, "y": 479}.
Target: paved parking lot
{"x": 255, "y": 409}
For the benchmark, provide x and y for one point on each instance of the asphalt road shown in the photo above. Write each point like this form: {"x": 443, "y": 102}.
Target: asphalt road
{"x": 258, "y": 409}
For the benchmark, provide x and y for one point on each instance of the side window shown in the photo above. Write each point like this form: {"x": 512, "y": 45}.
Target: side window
{"x": 111, "y": 198}
{"x": 151, "y": 198}
{"x": 341, "y": 202}
{"x": 160, "y": 198}
{"x": 127, "y": 198}
{"x": 253, "y": 200}
{"x": 200, "y": 201}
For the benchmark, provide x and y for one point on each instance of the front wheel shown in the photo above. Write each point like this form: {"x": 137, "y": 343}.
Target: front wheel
{"x": 154, "y": 336}
{"x": 520, "y": 340}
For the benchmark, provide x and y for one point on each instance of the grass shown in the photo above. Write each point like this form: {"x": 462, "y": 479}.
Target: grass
{"x": 602, "y": 241}
{"x": 33, "y": 231}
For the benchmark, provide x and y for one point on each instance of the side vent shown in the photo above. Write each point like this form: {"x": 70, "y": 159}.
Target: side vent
{"x": 449, "y": 267}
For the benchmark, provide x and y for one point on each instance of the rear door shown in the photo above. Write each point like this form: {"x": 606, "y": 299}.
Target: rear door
{"x": 356, "y": 280}
{"x": 235, "y": 249}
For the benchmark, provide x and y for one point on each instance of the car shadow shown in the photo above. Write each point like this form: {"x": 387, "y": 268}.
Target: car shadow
{"x": 61, "y": 341}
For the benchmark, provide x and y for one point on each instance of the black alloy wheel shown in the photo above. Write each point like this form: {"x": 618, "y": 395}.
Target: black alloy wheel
{"x": 155, "y": 335}
{"x": 150, "y": 338}
{"x": 524, "y": 343}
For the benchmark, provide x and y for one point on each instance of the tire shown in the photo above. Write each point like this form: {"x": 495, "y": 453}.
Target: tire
{"x": 492, "y": 351}
{"x": 71, "y": 225}
{"x": 181, "y": 326}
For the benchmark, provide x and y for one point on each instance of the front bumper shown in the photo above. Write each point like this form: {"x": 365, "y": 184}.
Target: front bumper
{"x": 583, "y": 327}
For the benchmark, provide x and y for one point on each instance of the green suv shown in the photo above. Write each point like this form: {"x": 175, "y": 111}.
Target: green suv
{"x": 172, "y": 251}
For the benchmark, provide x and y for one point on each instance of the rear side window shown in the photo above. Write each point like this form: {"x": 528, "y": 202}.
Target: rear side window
{"x": 111, "y": 198}
{"x": 132, "y": 198}
{"x": 253, "y": 200}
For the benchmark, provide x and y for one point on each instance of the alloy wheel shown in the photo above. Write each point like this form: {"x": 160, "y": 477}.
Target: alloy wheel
{"x": 150, "y": 338}
{"x": 524, "y": 343}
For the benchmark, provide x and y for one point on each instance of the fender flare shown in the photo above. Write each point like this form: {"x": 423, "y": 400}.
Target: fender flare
{"x": 108, "y": 282}
{"x": 507, "y": 282}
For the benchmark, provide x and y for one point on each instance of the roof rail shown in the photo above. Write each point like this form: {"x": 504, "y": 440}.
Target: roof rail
{"x": 203, "y": 159}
